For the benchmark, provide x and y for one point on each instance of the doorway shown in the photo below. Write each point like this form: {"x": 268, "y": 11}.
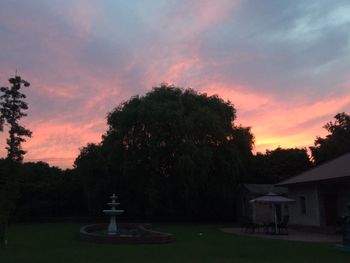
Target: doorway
{"x": 330, "y": 209}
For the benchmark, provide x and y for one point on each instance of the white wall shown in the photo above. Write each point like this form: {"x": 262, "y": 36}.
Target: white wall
{"x": 312, "y": 215}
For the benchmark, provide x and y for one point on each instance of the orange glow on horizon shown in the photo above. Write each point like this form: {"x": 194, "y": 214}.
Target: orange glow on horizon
{"x": 273, "y": 123}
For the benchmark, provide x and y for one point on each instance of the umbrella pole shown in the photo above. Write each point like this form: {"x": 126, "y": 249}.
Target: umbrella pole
{"x": 275, "y": 219}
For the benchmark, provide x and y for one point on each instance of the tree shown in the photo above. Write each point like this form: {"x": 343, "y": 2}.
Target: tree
{"x": 96, "y": 185}
{"x": 46, "y": 191}
{"x": 12, "y": 109}
{"x": 173, "y": 152}
{"x": 336, "y": 143}
{"x": 279, "y": 164}
{"x": 8, "y": 194}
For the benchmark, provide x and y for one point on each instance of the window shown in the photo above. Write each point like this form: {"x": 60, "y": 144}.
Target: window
{"x": 302, "y": 203}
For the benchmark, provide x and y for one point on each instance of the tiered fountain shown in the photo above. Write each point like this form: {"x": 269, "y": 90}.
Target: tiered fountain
{"x": 113, "y": 212}
{"x": 125, "y": 233}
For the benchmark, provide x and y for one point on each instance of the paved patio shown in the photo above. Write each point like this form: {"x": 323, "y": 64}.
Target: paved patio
{"x": 295, "y": 235}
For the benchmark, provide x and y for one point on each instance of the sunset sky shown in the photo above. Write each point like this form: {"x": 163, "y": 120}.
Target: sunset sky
{"x": 285, "y": 65}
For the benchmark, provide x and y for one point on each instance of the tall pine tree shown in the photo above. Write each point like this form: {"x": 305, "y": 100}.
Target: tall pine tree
{"x": 12, "y": 107}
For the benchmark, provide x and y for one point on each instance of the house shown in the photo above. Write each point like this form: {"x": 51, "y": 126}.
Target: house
{"x": 321, "y": 193}
{"x": 258, "y": 213}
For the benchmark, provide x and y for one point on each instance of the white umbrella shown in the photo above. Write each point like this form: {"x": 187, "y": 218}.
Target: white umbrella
{"x": 272, "y": 199}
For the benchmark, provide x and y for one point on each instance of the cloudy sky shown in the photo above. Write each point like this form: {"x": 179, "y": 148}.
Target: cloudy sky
{"x": 285, "y": 65}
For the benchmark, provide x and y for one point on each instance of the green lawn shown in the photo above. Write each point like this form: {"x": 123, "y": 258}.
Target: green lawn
{"x": 52, "y": 243}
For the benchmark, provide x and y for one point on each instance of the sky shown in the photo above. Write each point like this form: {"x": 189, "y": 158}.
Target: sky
{"x": 285, "y": 65}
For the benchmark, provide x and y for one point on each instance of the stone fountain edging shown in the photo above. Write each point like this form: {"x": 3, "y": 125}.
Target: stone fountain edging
{"x": 88, "y": 233}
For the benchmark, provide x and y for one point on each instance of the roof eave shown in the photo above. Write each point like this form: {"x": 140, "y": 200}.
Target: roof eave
{"x": 286, "y": 183}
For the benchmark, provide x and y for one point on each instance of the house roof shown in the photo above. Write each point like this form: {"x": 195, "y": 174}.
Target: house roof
{"x": 334, "y": 169}
{"x": 265, "y": 188}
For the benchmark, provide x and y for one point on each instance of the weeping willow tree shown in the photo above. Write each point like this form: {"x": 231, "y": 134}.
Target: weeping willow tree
{"x": 173, "y": 152}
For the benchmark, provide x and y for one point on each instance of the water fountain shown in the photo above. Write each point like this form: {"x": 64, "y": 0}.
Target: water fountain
{"x": 124, "y": 233}
{"x": 112, "y": 227}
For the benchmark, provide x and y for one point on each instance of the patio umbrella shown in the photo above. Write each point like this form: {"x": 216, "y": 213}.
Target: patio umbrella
{"x": 272, "y": 199}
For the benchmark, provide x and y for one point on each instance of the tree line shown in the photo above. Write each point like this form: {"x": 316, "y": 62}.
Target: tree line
{"x": 173, "y": 153}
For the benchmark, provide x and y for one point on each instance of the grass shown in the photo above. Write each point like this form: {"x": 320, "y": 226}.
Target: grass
{"x": 59, "y": 243}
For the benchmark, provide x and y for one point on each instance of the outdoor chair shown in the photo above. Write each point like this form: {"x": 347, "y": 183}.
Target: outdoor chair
{"x": 283, "y": 225}
{"x": 247, "y": 225}
{"x": 267, "y": 227}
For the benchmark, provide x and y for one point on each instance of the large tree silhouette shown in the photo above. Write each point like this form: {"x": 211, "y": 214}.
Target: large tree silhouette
{"x": 172, "y": 152}
{"x": 279, "y": 164}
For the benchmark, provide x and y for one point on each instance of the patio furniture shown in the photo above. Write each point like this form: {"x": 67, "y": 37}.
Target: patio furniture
{"x": 283, "y": 225}
{"x": 268, "y": 227}
{"x": 273, "y": 199}
{"x": 247, "y": 225}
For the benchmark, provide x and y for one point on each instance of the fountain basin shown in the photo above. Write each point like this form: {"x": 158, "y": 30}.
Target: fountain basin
{"x": 113, "y": 204}
{"x": 113, "y": 212}
{"x": 128, "y": 233}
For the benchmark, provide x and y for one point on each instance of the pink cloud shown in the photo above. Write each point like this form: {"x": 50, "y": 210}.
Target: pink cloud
{"x": 197, "y": 16}
{"x": 61, "y": 141}
{"x": 84, "y": 15}
{"x": 75, "y": 84}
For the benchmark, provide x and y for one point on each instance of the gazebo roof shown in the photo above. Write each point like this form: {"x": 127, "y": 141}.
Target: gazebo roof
{"x": 262, "y": 189}
{"x": 272, "y": 198}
